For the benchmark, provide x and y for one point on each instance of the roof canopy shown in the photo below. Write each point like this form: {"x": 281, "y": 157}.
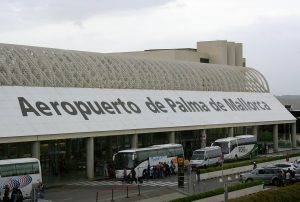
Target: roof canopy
{"x": 45, "y": 67}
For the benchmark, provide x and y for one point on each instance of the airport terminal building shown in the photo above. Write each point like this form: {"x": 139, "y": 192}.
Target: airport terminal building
{"x": 83, "y": 107}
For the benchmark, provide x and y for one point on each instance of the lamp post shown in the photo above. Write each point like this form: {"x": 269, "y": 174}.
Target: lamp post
{"x": 224, "y": 183}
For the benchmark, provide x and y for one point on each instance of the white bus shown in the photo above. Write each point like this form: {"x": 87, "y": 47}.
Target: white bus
{"x": 20, "y": 173}
{"x": 233, "y": 148}
{"x": 206, "y": 156}
{"x": 140, "y": 158}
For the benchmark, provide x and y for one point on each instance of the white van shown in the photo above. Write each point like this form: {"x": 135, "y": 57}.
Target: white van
{"x": 206, "y": 156}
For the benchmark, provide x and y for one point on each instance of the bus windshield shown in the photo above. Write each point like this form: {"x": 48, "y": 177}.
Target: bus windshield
{"x": 124, "y": 160}
{"x": 223, "y": 145}
{"x": 198, "y": 155}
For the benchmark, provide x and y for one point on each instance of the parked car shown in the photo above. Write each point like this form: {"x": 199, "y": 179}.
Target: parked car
{"x": 269, "y": 175}
{"x": 284, "y": 166}
{"x": 297, "y": 163}
{"x": 297, "y": 174}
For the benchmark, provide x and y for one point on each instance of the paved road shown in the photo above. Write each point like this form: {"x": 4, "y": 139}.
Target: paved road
{"x": 85, "y": 191}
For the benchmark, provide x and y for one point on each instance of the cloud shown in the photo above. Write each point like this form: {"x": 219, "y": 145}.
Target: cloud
{"x": 268, "y": 29}
{"x": 27, "y": 14}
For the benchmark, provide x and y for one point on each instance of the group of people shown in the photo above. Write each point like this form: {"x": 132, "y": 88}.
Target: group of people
{"x": 16, "y": 195}
{"x": 286, "y": 178}
{"x": 160, "y": 170}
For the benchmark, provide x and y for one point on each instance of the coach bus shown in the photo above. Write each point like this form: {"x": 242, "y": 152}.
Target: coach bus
{"x": 140, "y": 158}
{"x": 233, "y": 148}
{"x": 20, "y": 173}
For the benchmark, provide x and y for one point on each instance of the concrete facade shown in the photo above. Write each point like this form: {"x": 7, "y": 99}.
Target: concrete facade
{"x": 215, "y": 52}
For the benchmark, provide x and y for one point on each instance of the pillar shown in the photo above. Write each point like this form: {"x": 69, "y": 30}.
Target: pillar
{"x": 294, "y": 143}
{"x": 134, "y": 141}
{"x": 275, "y": 138}
{"x": 35, "y": 149}
{"x": 172, "y": 137}
{"x": 203, "y": 138}
{"x": 254, "y": 130}
{"x": 90, "y": 157}
{"x": 231, "y": 132}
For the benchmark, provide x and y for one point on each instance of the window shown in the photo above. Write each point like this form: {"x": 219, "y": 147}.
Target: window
{"x": 204, "y": 60}
{"x": 27, "y": 168}
{"x": 261, "y": 172}
{"x": 171, "y": 152}
{"x": 162, "y": 152}
{"x": 8, "y": 170}
{"x": 143, "y": 155}
{"x": 178, "y": 151}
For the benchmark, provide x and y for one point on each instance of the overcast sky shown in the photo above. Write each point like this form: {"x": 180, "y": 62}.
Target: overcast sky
{"x": 268, "y": 29}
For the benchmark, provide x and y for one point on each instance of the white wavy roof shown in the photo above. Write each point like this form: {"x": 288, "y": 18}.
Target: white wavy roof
{"x": 46, "y": 67}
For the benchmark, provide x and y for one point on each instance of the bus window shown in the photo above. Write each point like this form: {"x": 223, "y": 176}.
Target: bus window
{"x": 224, "y": 146}
{"x": 27, "y": 168}
{"x": 142, "y": 155}
{"x": 152, "y": 153}
{"x": 232, "y": 146}
{"x": 123, "y": 160}
{"x": 178, "y": 151}
{"x": 162, "y": 152}
{"x": 171, "y": 151}
{"x": 8, "y": 170}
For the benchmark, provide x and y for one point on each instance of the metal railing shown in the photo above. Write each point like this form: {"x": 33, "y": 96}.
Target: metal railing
{"x": 119, "y": 188}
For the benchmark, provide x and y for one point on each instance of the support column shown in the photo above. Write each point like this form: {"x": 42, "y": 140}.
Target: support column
{"x": 254, "y": 130}
{"x": 134, "y": 141}
{"x": 35, "y": 149}
{"x": 231, "y": 132}
{"x": 275, "y": 138}
{"x": 203, "y": 138}
{"x": 294, "y": 143}
{"x": 90, "y": 157}
{"x": 172, "y": 137}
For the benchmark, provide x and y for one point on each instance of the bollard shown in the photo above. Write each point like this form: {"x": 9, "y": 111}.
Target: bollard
{"x": 225, "y": 192}
{"x": 127, "y": 193}
{"x": 139, "y": 189}
{"x": 96, "y": 196}
{"x": 112, "y": 195}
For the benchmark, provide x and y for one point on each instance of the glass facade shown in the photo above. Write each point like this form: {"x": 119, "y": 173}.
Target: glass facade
{"x": 62, "y": 158}
{"x": 15, "y": 150}
{"x": 65, "y": 158}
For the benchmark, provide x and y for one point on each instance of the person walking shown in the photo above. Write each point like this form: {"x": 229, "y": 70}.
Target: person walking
{"x": 254, "y": 165}
{"x": 287, "y": 157}
{"x": 288, "y": 176}
{"x": 6, "y": 194}
{"x": 133, "y": 176}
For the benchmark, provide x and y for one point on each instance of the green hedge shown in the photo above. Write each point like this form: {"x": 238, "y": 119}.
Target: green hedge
{"x": 287, "y": 194}
{"x": 216, "y": 192}
{"x": 246, "y": 163}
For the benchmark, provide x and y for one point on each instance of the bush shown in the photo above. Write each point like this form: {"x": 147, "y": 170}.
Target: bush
{"x": 217, "y": 192}
{"x": 286, "y": 194}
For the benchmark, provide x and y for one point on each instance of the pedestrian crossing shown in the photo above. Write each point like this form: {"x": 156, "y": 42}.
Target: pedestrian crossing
{"x": 152, "y": 183}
